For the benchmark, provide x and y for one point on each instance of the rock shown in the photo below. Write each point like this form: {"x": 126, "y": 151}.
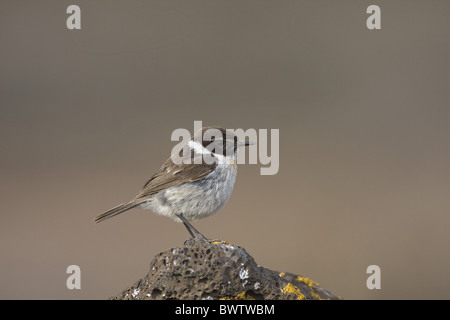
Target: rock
{"x": 217, "y": 270}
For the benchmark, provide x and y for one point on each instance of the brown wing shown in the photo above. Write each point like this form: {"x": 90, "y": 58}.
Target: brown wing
{"x": 172, "y": 174}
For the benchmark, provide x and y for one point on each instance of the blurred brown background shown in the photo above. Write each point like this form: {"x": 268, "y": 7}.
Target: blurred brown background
{"x": 364, "y": 120}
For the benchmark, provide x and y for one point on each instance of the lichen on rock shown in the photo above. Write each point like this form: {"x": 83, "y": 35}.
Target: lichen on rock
{"x": 218, "y": 270}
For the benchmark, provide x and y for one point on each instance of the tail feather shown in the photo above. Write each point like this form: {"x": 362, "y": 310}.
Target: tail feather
{"x": 117, "y": 210}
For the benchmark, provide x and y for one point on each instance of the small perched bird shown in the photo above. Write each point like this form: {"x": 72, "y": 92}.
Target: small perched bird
{"x": 193, "y": 188}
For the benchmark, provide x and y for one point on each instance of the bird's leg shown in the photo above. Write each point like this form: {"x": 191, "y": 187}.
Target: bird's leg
{"x": 190, "y": 228}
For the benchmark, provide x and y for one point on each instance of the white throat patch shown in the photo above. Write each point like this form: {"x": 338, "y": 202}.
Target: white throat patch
{"x": 200, "y": 149}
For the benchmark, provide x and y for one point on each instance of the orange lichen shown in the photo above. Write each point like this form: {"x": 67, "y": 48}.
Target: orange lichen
{"x": 307, "y": 281}
{"x": 244, "y": 295}
{"x": 290, "y": 288}
{"x": 220, "y": 242}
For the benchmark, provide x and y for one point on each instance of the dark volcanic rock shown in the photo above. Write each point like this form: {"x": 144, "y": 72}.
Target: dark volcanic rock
{"x": 218, "y": 270}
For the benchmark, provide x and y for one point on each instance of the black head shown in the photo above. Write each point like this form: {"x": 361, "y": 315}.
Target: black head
{"x": 219, "y": 140}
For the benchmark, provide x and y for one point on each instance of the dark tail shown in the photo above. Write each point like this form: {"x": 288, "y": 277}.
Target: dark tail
{"x": 116, "y": 210}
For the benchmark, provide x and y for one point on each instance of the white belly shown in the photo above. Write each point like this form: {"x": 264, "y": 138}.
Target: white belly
{"x": 196, "y": 200}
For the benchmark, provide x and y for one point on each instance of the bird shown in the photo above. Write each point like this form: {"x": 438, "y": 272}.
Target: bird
{"x": 192, "y": 184}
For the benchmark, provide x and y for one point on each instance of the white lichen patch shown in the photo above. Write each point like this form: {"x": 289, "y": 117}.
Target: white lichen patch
{"x": 135, "y": 293}
{"x": 243, "y": 273}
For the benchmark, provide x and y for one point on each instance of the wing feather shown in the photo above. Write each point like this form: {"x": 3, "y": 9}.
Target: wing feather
{"x": 171, "y": 174}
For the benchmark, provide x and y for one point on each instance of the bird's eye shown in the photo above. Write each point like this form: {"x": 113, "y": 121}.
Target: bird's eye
{"x": 213, "y": 138}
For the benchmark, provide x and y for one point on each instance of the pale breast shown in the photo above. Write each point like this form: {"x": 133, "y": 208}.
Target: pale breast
{"x": 198, "y": 199}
